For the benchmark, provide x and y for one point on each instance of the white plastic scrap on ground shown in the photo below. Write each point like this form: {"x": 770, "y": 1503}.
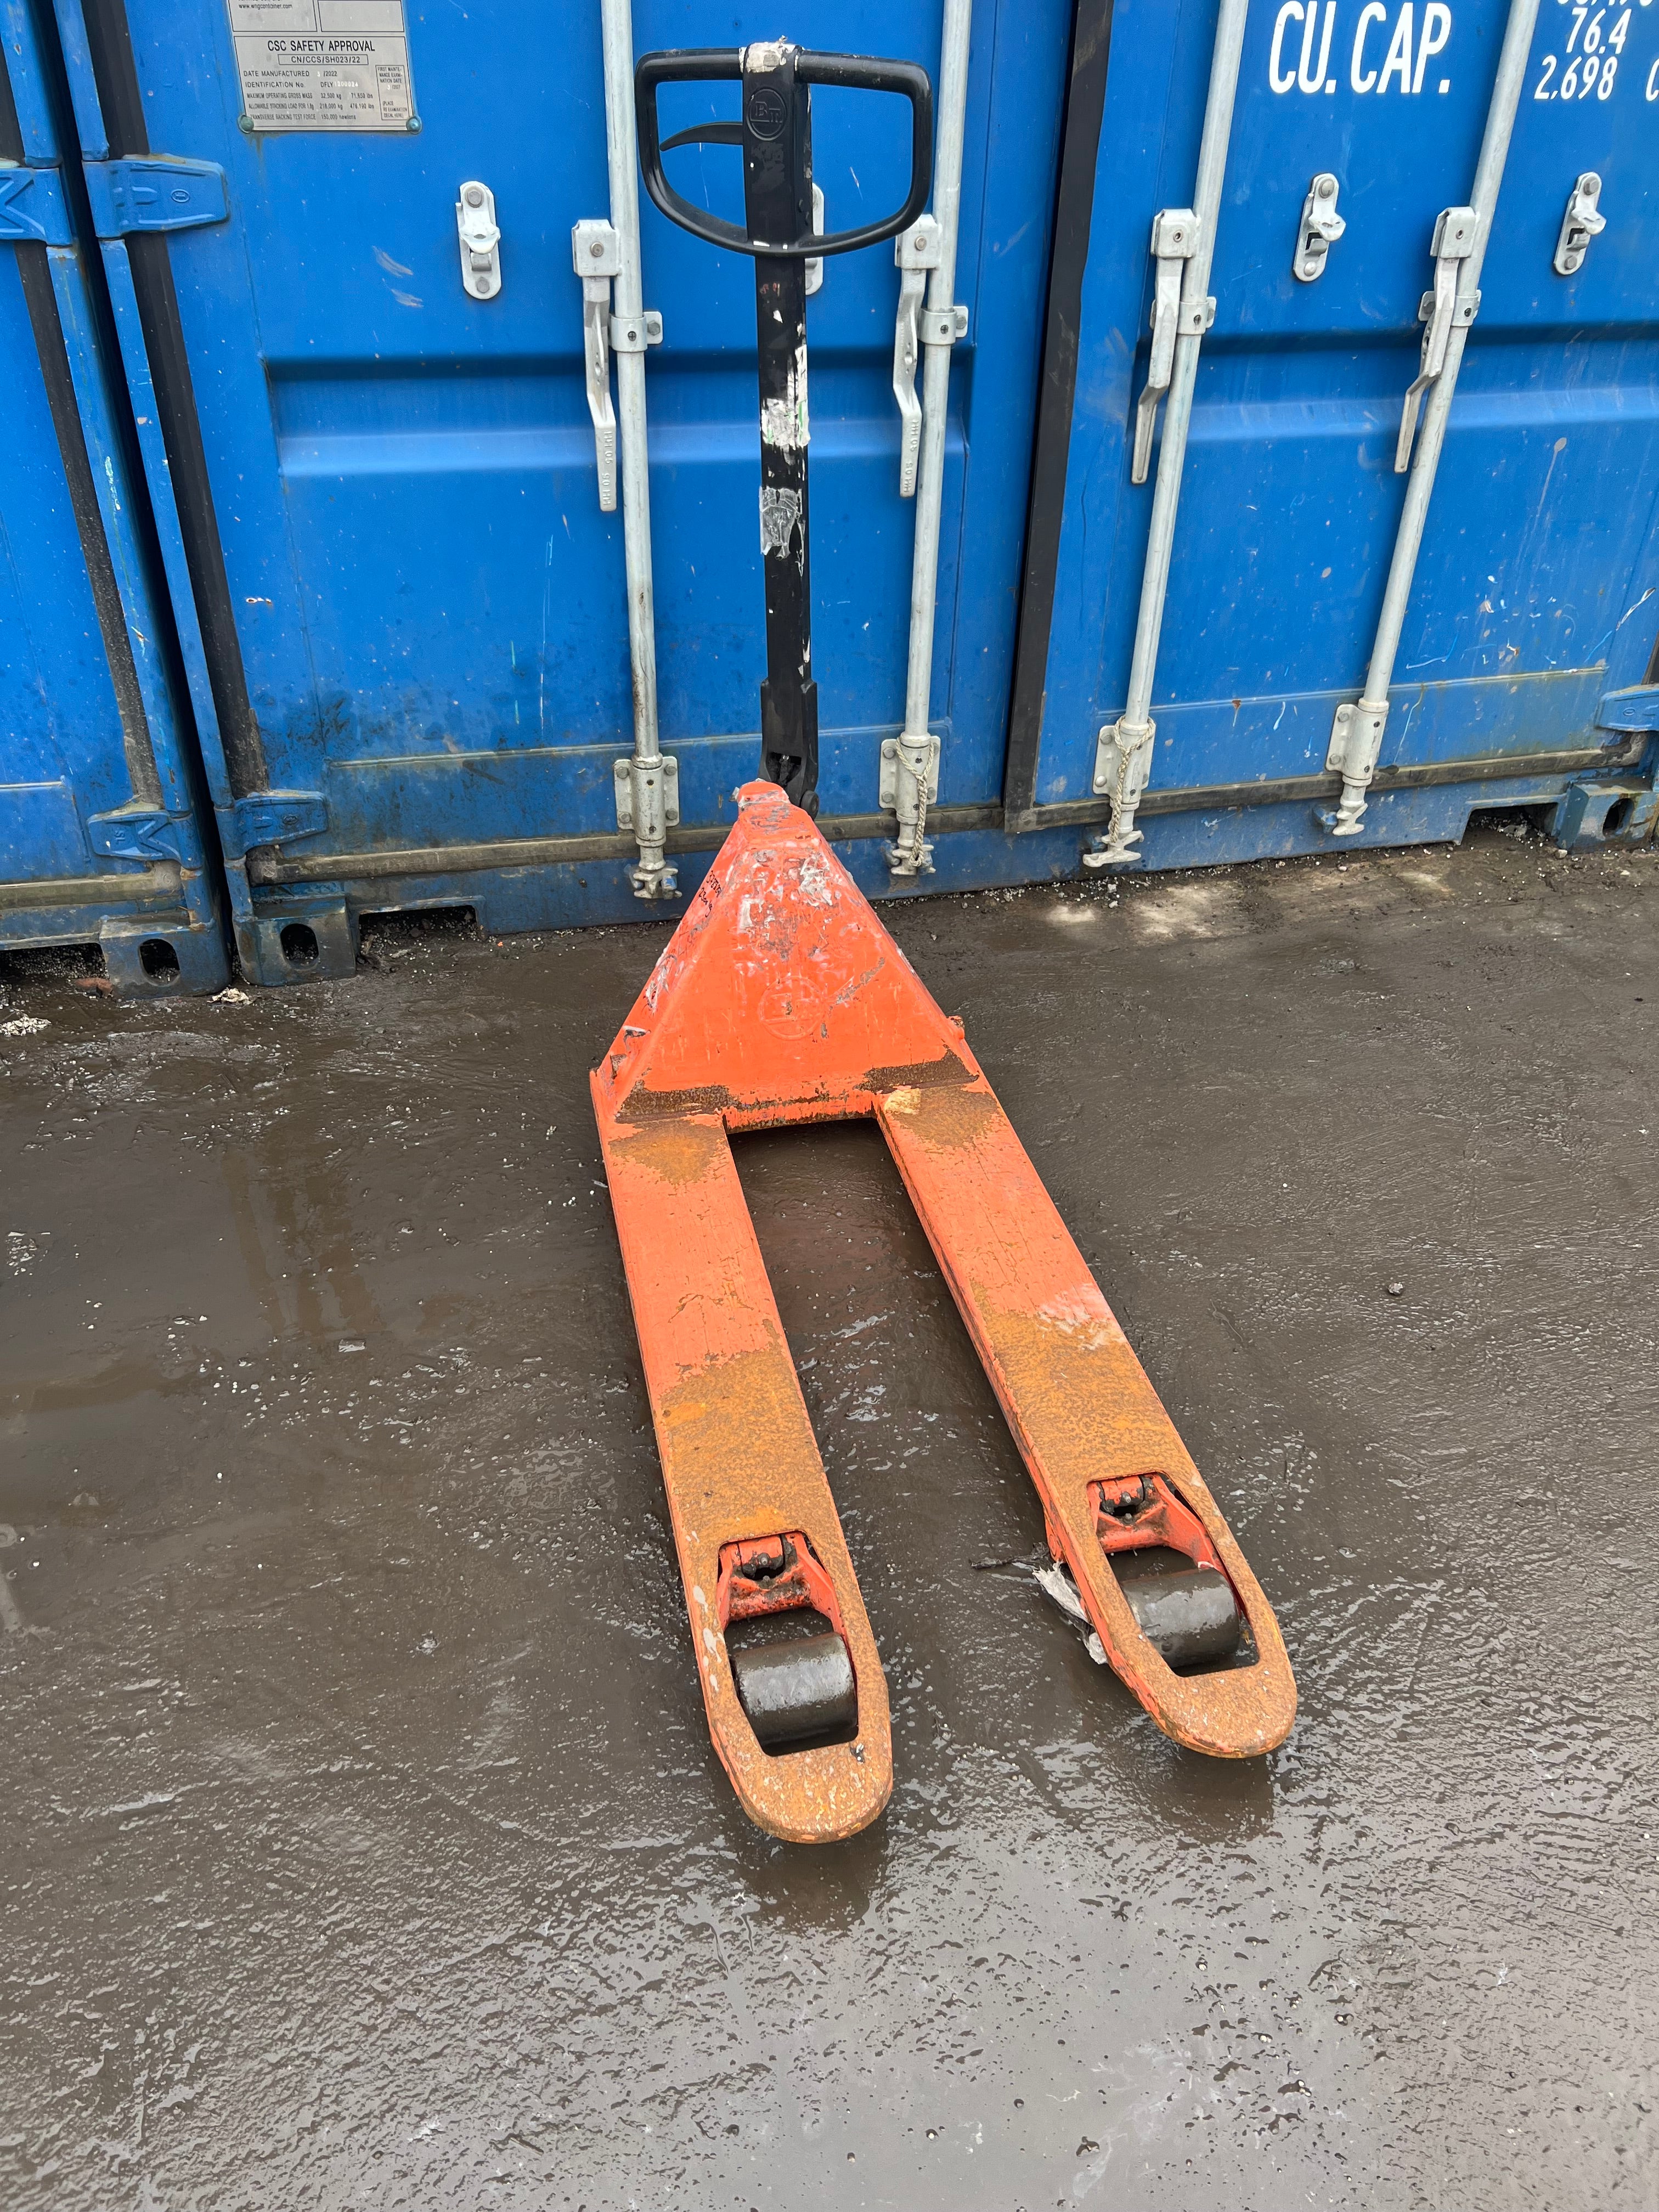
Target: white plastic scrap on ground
{"x": 1057, "y": 1584}
{"x": 231, "y": 996}
{"x": 23, "y": 1025}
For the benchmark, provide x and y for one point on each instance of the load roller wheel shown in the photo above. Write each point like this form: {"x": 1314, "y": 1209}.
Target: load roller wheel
{"x": 794, "y": 1690}
{"x": 1187, "y": 1613}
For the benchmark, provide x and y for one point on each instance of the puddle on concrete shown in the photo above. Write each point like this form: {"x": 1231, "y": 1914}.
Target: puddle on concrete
{"x": 362, "y": 1843}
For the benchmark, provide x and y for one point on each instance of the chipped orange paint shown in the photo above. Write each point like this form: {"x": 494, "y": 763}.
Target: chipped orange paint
{"x": 781, "y": 998}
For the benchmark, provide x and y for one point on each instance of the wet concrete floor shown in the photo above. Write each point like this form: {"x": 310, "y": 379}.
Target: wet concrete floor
{"x": 360, "y": 1843}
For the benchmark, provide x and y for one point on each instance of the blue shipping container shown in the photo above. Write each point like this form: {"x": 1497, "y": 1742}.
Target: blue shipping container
{"x": 101, "y": 840}
{"x": 1525, "y": 671}
{"x": 402, "y": 607}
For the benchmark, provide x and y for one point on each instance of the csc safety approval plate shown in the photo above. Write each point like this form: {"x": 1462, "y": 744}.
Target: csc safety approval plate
{"x": 323, "y": 64}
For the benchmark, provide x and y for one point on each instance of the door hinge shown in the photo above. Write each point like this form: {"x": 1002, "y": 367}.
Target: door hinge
{"x": 139, "y": 193}
{"x": 137, "y": 833}
{"x": 32, "y": 210}
{"x": 278, "y": 817}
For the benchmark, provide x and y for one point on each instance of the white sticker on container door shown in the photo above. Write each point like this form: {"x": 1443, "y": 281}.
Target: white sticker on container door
{"x": 323, "y": 64}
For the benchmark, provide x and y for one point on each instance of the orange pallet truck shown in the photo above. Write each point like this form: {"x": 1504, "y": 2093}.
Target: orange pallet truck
{"x": 781, "y": 999}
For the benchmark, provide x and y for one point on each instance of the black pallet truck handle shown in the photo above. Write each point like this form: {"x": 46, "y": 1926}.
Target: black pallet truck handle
{"x": 717, "y": 64}
{"x": 775, "y": 132}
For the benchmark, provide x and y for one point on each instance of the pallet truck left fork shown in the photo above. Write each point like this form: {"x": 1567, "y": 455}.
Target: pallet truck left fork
{"x": 754, "y": 1526}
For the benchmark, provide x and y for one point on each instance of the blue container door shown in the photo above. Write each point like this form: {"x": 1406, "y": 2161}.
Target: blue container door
{"x": 413, "y": 608}
{"x": 1534, "y": 593}
{"x": 99, "y": 836}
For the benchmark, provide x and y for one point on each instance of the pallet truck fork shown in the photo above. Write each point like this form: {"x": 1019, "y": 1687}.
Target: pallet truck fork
{"x": 780, "y": 1000}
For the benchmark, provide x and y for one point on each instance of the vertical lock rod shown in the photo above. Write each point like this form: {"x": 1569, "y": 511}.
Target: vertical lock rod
{"x": 1131, "y": 739}
{"x": 916, "y": 753}
{"x": 1364, "y": 724}
{"x": 652, "y": 877}
{"x": 1172, "y": 455}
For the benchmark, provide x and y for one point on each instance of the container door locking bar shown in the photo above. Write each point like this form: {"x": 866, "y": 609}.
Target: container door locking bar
{"x": 1183, "y": 239}
{"x": 1448, "y": 312}
{"x": 615, "y": 320}
{"x": 926, "y": 256}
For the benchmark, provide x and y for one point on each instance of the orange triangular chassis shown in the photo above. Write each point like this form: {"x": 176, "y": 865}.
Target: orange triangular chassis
{"x": 781, "y": 998}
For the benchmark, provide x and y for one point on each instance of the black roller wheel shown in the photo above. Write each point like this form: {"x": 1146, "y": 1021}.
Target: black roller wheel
{"x": 1187, "y": 1613}
{"x": 796, "y": 1689}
